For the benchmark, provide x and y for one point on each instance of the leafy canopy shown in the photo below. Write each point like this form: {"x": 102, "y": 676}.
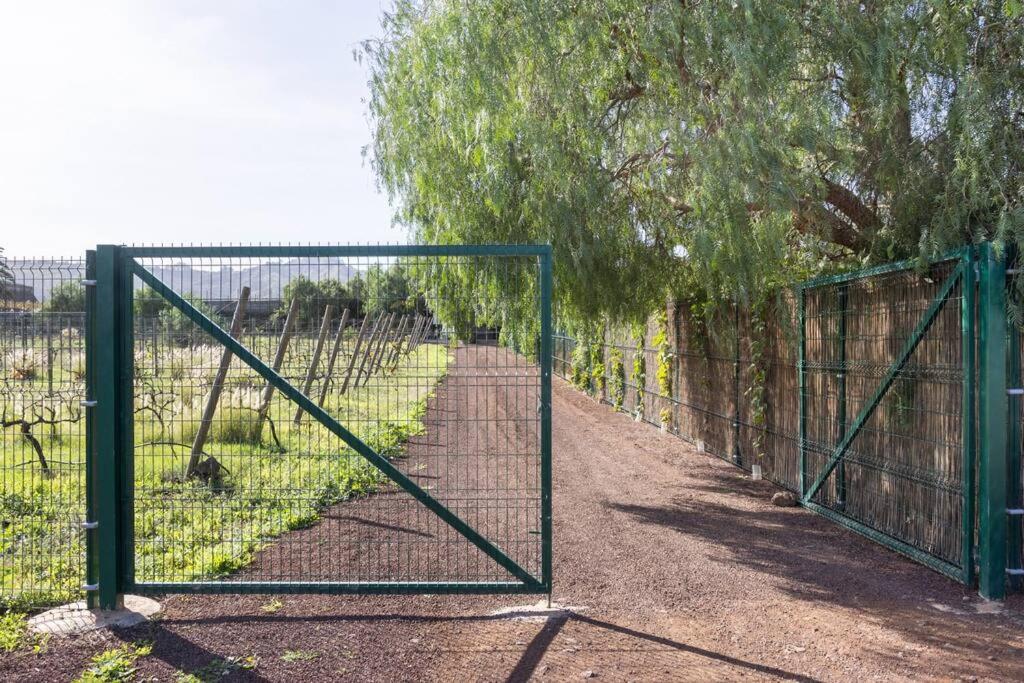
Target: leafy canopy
{"x": 710, "y": 149}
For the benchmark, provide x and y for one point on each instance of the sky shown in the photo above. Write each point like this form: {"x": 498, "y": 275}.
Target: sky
{"x": 236, "y": 121}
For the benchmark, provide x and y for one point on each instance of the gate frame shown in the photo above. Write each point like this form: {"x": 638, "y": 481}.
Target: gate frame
{"x": 964, "y": 273}
{"x": 110, "y": 440}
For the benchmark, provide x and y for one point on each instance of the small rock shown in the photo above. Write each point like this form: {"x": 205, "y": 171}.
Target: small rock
{"x": 589, "y": 674}
{"x": 784, "y": 499}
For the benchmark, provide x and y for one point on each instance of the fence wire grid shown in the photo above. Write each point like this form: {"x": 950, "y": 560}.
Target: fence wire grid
{"x": 234, "y": 483}
{"x": 903, "y": 476}
{"x": 42, "y": 441}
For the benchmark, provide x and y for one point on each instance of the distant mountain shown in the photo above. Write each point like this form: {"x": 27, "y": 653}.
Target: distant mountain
{"x": 266, "y": 279}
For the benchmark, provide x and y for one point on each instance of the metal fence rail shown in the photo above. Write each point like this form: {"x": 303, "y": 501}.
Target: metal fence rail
{"x": 42, "y": 440}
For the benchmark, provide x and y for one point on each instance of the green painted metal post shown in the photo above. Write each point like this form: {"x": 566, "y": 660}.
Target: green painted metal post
{"x": 91, "y": 541}
{"x": 104, "y": 471}
{"x": 126, "y": 425}
{"x": 1014, "y": 486}
{"x": 843, "y": 293}
{"x": 969, "y": 446}
{"x": 992, "y": 420}
{"x": 737, "y": 456}
{"x": 801, "y": 362}
{"x": 545, "y": 418}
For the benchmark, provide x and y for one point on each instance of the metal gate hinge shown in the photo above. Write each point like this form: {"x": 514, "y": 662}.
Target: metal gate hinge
{"x": 1015, "y": 572}
{"x": 89, "y": 525}
{"x": 89, "y": 283}
{"x": 1015, "y": 512}
{"x": 90, "y": 587}
{"x": 1014, "y": 271}
{"x": 88, "y": 403}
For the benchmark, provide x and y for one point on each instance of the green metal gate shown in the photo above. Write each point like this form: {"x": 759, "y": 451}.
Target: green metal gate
{"x": 903, "y": 409}
{"x": 319, "y": 419}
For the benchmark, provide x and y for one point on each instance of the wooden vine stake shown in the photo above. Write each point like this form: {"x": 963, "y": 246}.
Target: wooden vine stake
{"x": 333, "y": 358}
{"x": 396, "y": 349}
{"x": 282, "y": 348}
{"x": 378, "y": 325}
{"x": 218, "y": 386}
{"x": 355, "y": 352}
{"x": 325, "y": 327}
{"x": 381, "y": 343}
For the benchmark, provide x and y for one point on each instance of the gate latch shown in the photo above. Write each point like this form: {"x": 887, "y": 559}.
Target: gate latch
{"x": 90, "y": 525}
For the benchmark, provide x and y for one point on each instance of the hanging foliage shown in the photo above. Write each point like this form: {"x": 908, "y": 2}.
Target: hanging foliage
{"x": 704, "y": 148}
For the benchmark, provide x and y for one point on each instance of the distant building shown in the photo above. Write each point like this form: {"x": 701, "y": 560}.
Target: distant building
{"x": 16, "y": 293}
{"x": 256, "y": 308}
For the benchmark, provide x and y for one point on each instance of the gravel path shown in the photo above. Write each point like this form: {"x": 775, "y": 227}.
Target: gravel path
{"x": 678, "y": 568}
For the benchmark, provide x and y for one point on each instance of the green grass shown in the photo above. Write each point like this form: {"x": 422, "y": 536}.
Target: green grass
{"x": 117, "y": 664}
{"x": 190, "y": 529}
{"x": 299, "y": 655}
{"x": 216, "y": 670}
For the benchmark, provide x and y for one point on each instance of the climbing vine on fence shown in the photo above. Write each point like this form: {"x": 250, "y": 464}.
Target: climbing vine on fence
{"x": 580, "y": 362}
{"x": 664, "y": 349}
{"x": 755, "y": 390}
{"x": 617, "y": 381}
{"x": 597, "y": 368}
{"x": 639, "y": 374}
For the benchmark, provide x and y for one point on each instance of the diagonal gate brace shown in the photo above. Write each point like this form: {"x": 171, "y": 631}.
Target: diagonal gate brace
{"x": 890, "y": 376}
{"x": 321, "y": 416}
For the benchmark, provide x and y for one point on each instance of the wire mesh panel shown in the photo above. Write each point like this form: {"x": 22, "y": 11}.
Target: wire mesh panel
{"x": 885, "y": 407}
{"x": 881, "y": 433}
{"x": 253, "y": 466}
{"x": 769, "y": 413}
{"x": 42, "y": 441}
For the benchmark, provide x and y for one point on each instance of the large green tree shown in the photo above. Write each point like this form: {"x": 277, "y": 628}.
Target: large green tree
{"x": 715, "y": 148}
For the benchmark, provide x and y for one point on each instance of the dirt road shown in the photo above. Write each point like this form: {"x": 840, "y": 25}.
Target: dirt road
{"x": 676, "y": 565}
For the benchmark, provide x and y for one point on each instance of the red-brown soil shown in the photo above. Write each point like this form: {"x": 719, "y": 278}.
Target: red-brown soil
{"x": 677, "y": 564}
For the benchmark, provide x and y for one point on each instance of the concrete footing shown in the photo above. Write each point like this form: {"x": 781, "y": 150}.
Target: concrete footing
{"x": 76, "y": 618}
{"x": 539, "y": 611}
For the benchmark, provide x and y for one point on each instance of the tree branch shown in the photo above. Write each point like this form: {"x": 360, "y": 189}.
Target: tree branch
{"x": 850, "y": 205}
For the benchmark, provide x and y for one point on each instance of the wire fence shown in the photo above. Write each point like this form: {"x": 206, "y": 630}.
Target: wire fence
{"x": 221, "y": 477}
{"x": 235, "y": 483}
{"x": 42, "y": 442}
{"x": 733, "y": 390}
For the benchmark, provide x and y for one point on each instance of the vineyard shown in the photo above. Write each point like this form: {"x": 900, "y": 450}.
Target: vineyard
{"x": 209, "y": 435}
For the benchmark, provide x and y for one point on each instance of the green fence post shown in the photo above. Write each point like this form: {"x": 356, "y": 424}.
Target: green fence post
{"x": 126, "y": 426}
{"x": 992, "y": 420}
{"x": 545, "y": 418}
{"x": 802, "y": 387}
{"x": 91, "y": 545}
{"x": 737, "y": 456}
{"x": 104, "y": 468}
{"x": 968, "y": 310}
{"x": 843, "y": 292}
{"x": 1014, "y": 486}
